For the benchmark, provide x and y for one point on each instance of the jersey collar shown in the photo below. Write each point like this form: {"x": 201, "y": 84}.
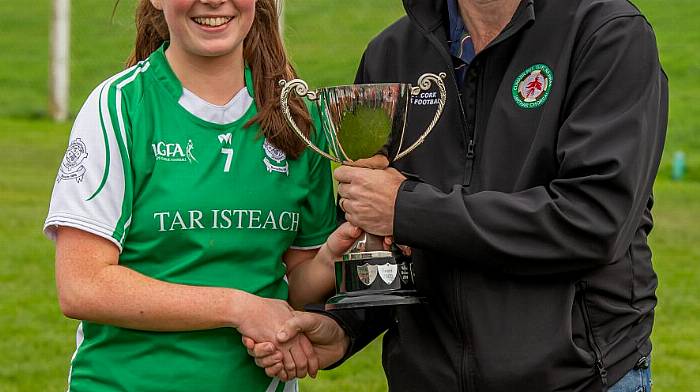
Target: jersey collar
{"x": 168, "y": 79}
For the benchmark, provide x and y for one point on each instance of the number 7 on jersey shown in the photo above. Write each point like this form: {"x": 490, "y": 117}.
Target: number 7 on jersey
{"x": 229, "y": 155}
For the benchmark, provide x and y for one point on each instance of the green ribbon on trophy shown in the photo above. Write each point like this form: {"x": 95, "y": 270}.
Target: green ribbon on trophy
{"x": 360, "y": 121}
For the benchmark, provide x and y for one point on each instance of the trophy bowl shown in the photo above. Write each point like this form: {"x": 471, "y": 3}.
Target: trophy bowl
{"x": 359, "y": 122}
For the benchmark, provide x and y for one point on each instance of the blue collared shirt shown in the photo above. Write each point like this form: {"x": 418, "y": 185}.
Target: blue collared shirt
{"x": 461, "y": 45}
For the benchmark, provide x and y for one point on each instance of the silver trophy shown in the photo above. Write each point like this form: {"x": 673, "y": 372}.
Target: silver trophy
{"x": 360, "y": 121}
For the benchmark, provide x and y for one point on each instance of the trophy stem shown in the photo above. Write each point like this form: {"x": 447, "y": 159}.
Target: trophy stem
{"x": 368, "y": 243}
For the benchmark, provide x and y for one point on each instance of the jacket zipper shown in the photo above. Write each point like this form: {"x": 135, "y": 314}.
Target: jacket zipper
{"x": 597, "y": 353}
{"x": 467, "y": 136}
{"x": 464, "y": 358}
{"x": 461, "y": 333}
{"x": 471, "y": 127}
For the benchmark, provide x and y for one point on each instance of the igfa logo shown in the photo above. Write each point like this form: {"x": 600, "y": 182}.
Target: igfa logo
{"x": 531, "y": 88}
{"x": 275, "y": 156}
{"x": 173, "y": 152}
{"x": 71, "y": 167}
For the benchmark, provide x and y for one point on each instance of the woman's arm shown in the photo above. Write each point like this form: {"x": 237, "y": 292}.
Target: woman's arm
{"x": 311, "y": 272}
{"x": 93, "y": 286}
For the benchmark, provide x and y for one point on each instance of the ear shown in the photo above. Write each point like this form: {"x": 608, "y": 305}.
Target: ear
{"x": 157, "y": 4}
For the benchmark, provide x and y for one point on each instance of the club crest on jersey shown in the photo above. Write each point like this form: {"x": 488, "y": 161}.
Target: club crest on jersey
{"x": 531, "y": 88}
{"x": 71, "y": 166}
{"x": 173, "y": 152}
{"x": 274, "y": 158}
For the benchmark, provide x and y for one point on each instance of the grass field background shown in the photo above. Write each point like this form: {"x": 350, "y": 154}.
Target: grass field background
{"x": 325, "y": 39}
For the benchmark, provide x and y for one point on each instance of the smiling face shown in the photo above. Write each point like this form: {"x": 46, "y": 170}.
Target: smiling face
{"x": 208, "y": 28}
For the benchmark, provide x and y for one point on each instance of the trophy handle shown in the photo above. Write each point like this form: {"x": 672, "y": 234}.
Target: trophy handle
{"x": 424, "y": 83}
{"x": 302, "y": 90}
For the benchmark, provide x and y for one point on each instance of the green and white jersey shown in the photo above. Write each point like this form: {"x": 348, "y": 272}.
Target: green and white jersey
{"x": 189, "y": 196}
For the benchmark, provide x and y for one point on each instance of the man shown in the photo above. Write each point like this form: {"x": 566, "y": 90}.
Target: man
{"x": 528, "y": 209}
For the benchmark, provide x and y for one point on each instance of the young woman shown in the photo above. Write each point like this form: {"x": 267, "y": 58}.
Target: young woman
{"x": 182, "y": 203}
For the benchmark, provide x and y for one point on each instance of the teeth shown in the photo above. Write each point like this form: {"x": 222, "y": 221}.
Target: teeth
{"x": 213, "y": 22}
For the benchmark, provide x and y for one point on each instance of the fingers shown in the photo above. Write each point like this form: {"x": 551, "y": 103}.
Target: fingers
{"x": 300, "y": 322}
{"x": 378, "y": 161}
{"x": 308, "y": 349}
{"x": 344, "y": 191}
{"x": 348, "y": 174}
{"x": 291, "y": 352}
{"x": 248, "y": 343}
{"x": 300, "y": 360}
{"x": 288, "y": 362}
{"x": 296, "y": 360}
{"x": 264, "y": 350}
{"x": 388, "y": 240}
{"x": 349, "y": 231}
{"x": 267, "y": 357}
{"x": 290, "y": 329}
{"x": 277, "y": 371}
{"x": 270, "y": 360}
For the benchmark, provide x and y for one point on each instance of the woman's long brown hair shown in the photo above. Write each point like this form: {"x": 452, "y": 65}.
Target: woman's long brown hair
{"x": 264, "y": 53}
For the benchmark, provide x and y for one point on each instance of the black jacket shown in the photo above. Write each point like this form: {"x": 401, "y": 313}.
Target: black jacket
{"x": 529, "y": 225}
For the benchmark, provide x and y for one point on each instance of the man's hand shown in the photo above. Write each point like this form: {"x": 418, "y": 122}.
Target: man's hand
{"x": 327, "y": 338}
{"x": 368, "y": 196}
{"x": 378, "y": 161}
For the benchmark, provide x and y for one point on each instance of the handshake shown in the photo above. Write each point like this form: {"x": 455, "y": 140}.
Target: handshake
{"x": 306, "y": 343}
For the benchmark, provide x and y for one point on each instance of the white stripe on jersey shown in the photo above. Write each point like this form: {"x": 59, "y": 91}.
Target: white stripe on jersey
{"x": 126, "y": 226}
{"x": 79, "y": 337}
{"x": 104, "y": 98}
{"x": 120, "y": 117}
{"x": 289, "y": 386}
{"x": 306, "y": 247}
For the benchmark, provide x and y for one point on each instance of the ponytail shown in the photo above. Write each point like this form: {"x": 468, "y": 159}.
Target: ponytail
{"x": 264, "y": 52}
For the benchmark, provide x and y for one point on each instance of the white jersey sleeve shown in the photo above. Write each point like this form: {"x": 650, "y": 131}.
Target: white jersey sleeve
{"x": 90, "y": 192}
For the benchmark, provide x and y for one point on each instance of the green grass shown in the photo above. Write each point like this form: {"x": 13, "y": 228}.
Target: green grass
{"x": 326, "y": 39}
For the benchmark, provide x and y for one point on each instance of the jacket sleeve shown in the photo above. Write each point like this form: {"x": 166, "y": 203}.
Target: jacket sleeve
{"x": 609, "y": 146}
{"x": 362, "y": 326}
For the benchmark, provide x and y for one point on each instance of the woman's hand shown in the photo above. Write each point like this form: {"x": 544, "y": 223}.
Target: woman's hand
{"x": 342, "y": 239}
{"x": 260, "y": 318}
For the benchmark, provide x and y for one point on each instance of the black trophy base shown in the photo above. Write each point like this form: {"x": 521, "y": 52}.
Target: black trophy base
{"x": 369, "y": 300}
